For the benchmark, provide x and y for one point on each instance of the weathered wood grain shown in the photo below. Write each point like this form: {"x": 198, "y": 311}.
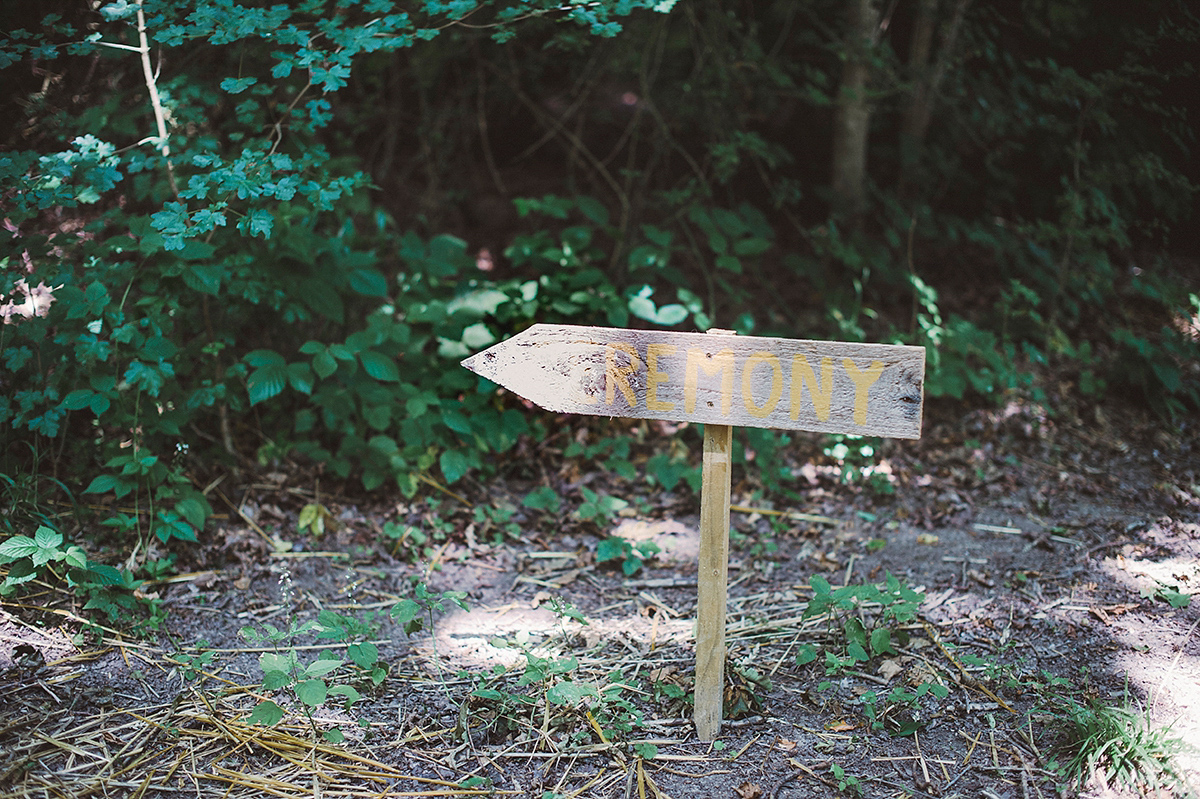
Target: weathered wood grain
{"x": 822, "y": 386}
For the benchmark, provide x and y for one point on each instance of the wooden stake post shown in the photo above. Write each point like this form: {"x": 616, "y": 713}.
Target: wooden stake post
{"x": 721, "y": 381}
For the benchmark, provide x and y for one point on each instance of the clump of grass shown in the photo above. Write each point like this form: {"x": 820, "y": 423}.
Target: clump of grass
{"x": 1119, "y": 744}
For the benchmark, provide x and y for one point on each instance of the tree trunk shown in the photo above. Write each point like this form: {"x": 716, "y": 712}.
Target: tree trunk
{"x": 925, "y": 83}
{"x": 852, "y": 114}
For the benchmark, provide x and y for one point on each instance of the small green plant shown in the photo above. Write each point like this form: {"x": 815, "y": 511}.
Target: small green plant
{"x": 193, "y": 666}
{"x": 867, "y": 615}
{"x": 309, "y": 683}
{"x": 612, "y": 452}
{"x": 414, "y": 612}
{"x": 28, "y": 557}
{"x": 407, "y": 540}
{"x": 543, "y": 498}
{"x": 114, "y": 592}
{"x": 857, "y": 463}
{"x": 1120, "y": 742}
{"x": 899, "y": 710}
{"x": 630, "y": 556}
{"x": 1169, "y": 594}
{"x": 668, "y": 471}
{"x": 599, "y": 508}
{"x": 847, "y": 783}
{"x": 499, "y": 519}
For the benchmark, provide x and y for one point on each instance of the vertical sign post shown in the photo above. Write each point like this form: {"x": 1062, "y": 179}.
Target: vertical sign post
{"x": 722, "y": 381}
{"x": 712, "y": 577}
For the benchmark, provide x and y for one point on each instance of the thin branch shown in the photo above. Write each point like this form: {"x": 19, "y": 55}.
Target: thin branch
{"x": 160, "y": 118}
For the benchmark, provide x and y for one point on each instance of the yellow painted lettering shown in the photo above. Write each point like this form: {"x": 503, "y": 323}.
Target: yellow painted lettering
{"x": 862, "y": 383}
{"x": 760, "y": 411}
{"x": 654, "y": 376}
{"x": 617, "y": 374}
{"x": 821, "y": 391}
{"x": 711, "y": 364}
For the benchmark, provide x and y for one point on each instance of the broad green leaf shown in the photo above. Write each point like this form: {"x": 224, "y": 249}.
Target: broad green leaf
{"x": 274, "y": 661}
{"x": 543, "y": 498}
{"x": 194, "y": 510}
{"x": 19, "y": 546}
{"x": 368, "y": 282}
{"x": 454, "y": 465}
{"x": 260, "y": 358}
{"x": 569, "y": 693}
{"x": 364, "y": 655}
{"x": 456, "y": 421}
{"x": 347, "y": 692}
{"x": 881, "y": 641}
{"x": 21, "y": 572}
{"x": 266, "y": 382}
{"x": 300, "y": 376}
{"x": 103, "y": 483}
{"x": 379, "y": 366}
{"x": 266, "y": 713}
{"x": 312, "y": 692}
{"x": 324, "y": 364}
{"x": 80, "y": 398}
{"x": 47, "y": 538}
{"x": 671, "y": 314}
{"x": 237, "y": 85}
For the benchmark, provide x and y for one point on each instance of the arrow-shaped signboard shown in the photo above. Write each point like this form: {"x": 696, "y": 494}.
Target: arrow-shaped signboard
{"x": 724, "y": 381}
{"x": 823, "y": 386}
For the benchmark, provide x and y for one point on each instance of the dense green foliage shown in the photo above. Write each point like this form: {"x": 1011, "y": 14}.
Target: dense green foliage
{"x": 264, "y": 231}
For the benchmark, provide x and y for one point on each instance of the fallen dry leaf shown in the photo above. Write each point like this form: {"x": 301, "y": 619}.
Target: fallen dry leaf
{"x": 840, "y": 726}
{"x": 749, "y": 790}
{"x": 890, "y": 668}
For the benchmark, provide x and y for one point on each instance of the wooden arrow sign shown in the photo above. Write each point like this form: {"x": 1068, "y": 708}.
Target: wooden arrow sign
{"x": 721, "y": 380}
{"x": 822, "y": 386}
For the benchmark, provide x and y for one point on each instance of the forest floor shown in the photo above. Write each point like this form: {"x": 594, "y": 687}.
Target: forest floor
{"x": 1054, "y": 556}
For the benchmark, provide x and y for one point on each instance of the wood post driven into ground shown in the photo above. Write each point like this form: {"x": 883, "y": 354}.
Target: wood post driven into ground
{"x": 712, "y": 576}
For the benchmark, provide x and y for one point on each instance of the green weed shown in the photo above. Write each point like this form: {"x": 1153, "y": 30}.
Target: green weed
{"x": 1120, "y": 743}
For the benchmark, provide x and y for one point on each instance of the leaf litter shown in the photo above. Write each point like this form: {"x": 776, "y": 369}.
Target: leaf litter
{"x": 1051, "y": 567}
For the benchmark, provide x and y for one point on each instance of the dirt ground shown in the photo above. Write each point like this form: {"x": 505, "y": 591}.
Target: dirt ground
{"x": 1050, "y": 552}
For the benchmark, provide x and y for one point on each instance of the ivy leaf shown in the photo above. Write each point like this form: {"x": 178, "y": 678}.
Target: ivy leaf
{"x": 237, "y": 85}
{"x": 259, "y": 222}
